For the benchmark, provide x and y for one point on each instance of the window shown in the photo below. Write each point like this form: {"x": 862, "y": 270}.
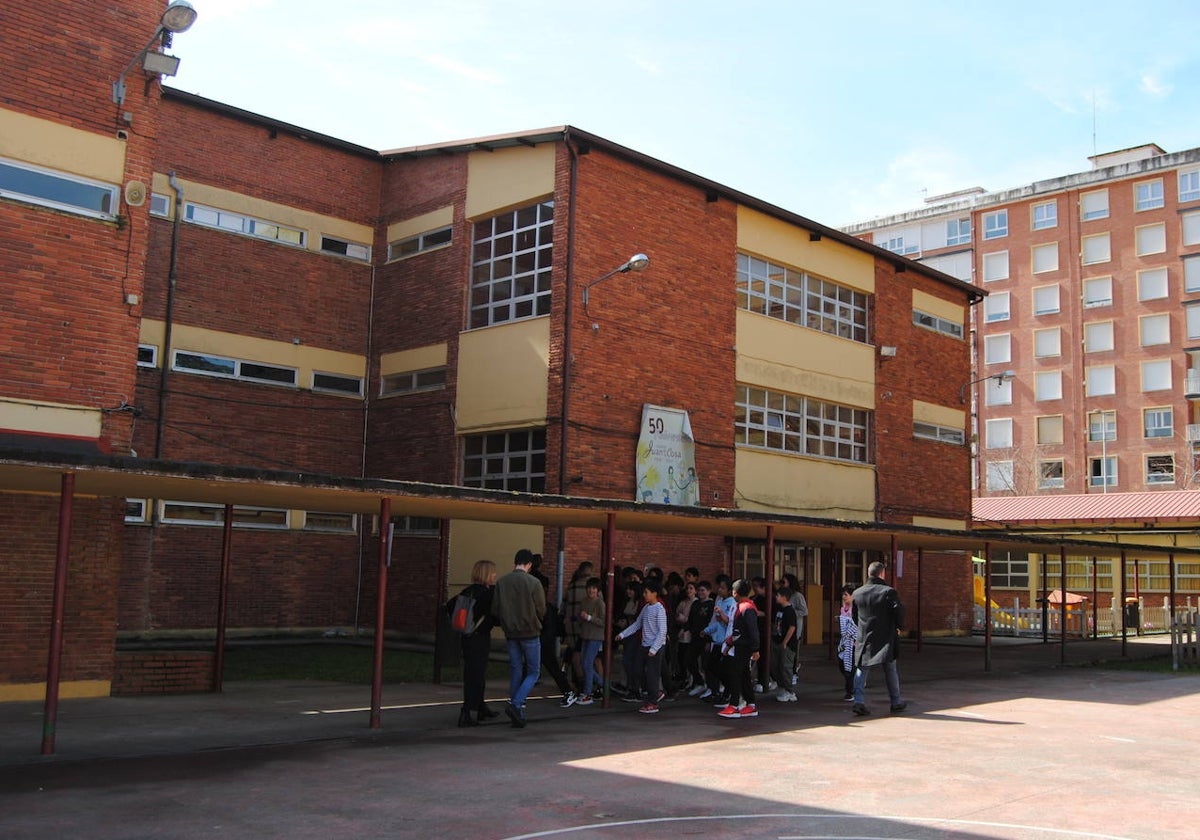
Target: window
{"x": 1191, "y": 274}
{"x": 958, "y": 232}
{"x": 1000, "y": 475}
{"x": 510, "y": 265}
{"x": 1097, "y": 249}
{"x": 998, "y": 392}
{"x": 1098, "y": 337}
{"x": 1050, "y": 430}
{"x": 1010, "y": 569}
{"x": 1094, "y": 205}
{"x": 933, "y": 322}
{"x": 942, "y": 434}
{"x": 1050, "y": 475}
{"x": 1152, "y": 284}
{"x": 800, "y": 425}
{"x": 416, "y": 526}
{"x": 1047, "y": 385}
{"x": 1104, "y": 471}
{"x": 1189, "y": 185}
{"x": 802, "y": 298}
{"x": 1154, "y": 329}
{"x": 1158, "y": 423}
{"x": 996, "y": 307}
{"x": 135, "y": 511}
{"x": 897, "y": 245}
{"x": 1156, "y": 375}
{"x": 1045, "y": 215}
{"x": 1100, "y": 380}
{"x": 57, "y": 190}
{"x": 201, "y": 513}
{"x": 338, "y": 523}
{"x": 337, "y": 383}
{"x": 513, "y": 460}
{"x": 414, "y": 380}
{"x": 997, "y": 349}
{"x": 1045, "y": 257}
{"x": 1191, "y": 228}
{"x": 1102, "y": 426}
{"x": 147, "y": 355}
{"x": 1150, "y": 239}
{"x": 1097, "y": 291}
{"x": 220, "y": 366}
{"x": 999, "y": 433}
{"x": 995, "y": 266}
{"x": 995, "y": 225}
{"x": 1047, "y": 342}
{"x": 1160, "y": 469}
{"x": 420, "y": 243}
{"x": 1148, "y": 195}
{"x": 345, "y": 248}
{"x": 1192, "y": 314}
{"x": 238, "y": 223}
{"x": 1045, "y": 300}
{"x": 160, "y": 205}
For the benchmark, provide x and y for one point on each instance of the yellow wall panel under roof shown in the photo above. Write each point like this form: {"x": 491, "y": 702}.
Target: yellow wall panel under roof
{"x": 418, "y": 358}
{"x": 768, "y": 481}
{"x": 502, "y": 376}
{"x": 57, "y": 146}
{"x": 434, "y": 219}
{"x": 939, "y": 522}
{"x": 509, "y": 177}
{"x": 939, "y": 415}
{"x": 496, "y": 541}
{"x": 50, "y": 418}
{"x": 284, "y": 353}
{"x": 778, "y": 241}
{"x": 954, "y": 312}
{"x": 781, "y": 356}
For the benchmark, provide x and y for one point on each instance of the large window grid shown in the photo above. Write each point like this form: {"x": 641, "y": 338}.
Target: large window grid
{"x": 513, "y": 460}
{"x": 801, "y": 298}
{"x": 511, "y": 265}
{"x": 801, "y": 425}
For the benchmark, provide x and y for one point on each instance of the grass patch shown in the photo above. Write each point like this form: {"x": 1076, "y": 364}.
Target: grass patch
{"x": 338, "y": 663}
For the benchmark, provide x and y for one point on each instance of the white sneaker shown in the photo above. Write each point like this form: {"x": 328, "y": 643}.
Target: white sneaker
{"x": 698, "y": 690}
{"x": 707, "y": 694}
{"x": 785, "y": 696}
{"x": 772, "y": 685}
{"x": 568, "y": 699}
{"x": 758, "y": 689}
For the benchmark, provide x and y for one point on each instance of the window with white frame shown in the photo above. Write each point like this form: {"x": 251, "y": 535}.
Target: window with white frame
{"x": 1047, "y": 342}
{"x": 801, "y": 425}
{"x": 1190, "y": 224}
{"x": 345, "y": 248}
{"x": 1150, "y": 239}
{"x": 1152, "y": 284}
{"x": 1192, "y": 314}
{"x": 1097, "y": 291}
{"x": 428, "y": 241}
{"x": 1189, "y": 185}
{"x": 1045, "y": 300}
{"x": 1103, "y": 471}
{"x": 1191, "y": 274}
{"x": 513, "y": 460}
{"x": 997, "y": 349}
{"x": 995, "y": 266}
{"x": 1097, "y": 248}
{"x": 203, "y": 513}
{"x": 410, "y": 381}
{"x": 1045, "y": 215}
{"x": 1156, "y": 375}
{"x": 998, "y": 392}
{"x": 1100, "y": 380}
{"x": 1000, "y": 475}
{"x": 1050, "y": 474}
{"x": 147, "y": 355}
{"x": 511, "y": 265}
{"x": 1047, "y": 385}
{"x": 1158, "y": 422}
{"x": 337, "y": 383}
{"x": 1098, "y": 336}
{"x": 1148, "y": 195}
{"x": 1045, "y": 257}
{"x": 898, "y": 244}
{"x": 1010, "y": 569}
{"x": 999, "y": 433}
{"x": 137, "y": 511}
{"x": 958, "y": 231}
{"x": 995, "y": 225}
{"x": 414, "y": 526}
{"x": 932, "y": 322}
{"x": 996, "y": 307}
{"x": 213, "y": 217}
{"x": 224, "y": 367}
{"x": 1094, "y": 205}
{"x": 942, "y": 434}
{"x": 160, "y": 205}
{"x": 1050, "y": 430}
{"x": 57, "y": 190}
{"x": 1160, "y": 469}
{"x": 1155, "y": 329}
{"x": 332, "y": 523}
{"x": 1102, "y": 426}
{"x": 801, "y": 298}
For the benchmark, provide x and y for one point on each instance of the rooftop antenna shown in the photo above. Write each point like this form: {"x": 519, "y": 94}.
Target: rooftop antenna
{"x": 1095, "y": 151}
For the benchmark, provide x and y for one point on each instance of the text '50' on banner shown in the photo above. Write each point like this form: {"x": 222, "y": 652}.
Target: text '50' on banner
{"x": 666, "y": 458}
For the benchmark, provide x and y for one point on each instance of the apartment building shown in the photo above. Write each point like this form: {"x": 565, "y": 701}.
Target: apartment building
{"x": 544, "y": 312}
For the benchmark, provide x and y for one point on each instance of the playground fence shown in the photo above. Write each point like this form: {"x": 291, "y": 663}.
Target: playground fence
{"x": 1185, "y": 640}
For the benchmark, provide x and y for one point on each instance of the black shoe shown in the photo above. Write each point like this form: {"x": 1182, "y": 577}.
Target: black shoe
{"x": 465, "y": 719}
{"x": 899, "y": 707}
{"x": 488, "y": 713}
{"x": 514, "y": 714}
{"x": 860, "y": 710}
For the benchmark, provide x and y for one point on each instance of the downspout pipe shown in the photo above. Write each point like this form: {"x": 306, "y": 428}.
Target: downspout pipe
{"x": 169, "y": 318}
{"x": 568, "y": 313}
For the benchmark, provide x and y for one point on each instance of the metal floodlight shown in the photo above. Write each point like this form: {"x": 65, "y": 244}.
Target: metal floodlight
{"x": 177, "y": 17}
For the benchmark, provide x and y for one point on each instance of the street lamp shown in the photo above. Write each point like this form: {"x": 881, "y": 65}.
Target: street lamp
{"x": 637, "y": 262}
{"x": 177, "y": 17}
{"x": 1001, "y": 378}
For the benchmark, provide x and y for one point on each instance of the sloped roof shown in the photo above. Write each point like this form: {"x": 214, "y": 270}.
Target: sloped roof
{"x": 1117, "y": 509}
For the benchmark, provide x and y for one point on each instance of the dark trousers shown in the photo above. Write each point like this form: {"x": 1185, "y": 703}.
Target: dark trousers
{"x": 689, "y": 653}
{"x": 550, "y": 663}
{"x": 652, "y": 671}
{"x": 738, "y": 678}
{"x": 848, "y": 677}
{"x": 714, "y": 670}
{"x": 475, "y": 651}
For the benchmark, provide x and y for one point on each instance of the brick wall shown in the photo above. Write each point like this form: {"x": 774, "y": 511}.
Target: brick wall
{"x": 163, "y": 672}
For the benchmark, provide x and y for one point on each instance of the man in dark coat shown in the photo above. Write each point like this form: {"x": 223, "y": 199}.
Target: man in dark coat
{"x": 880, "y": 617}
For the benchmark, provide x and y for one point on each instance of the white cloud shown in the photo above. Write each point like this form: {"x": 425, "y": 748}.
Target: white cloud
{"x": 467, "y": 71}
{"x": 1154, "y": 86}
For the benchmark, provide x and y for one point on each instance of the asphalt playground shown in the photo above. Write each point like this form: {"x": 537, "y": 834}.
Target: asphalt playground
{"x": 1026, "y": 748}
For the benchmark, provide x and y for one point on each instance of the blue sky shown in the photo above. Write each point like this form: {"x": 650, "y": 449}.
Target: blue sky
{"x": 838, "y": 111}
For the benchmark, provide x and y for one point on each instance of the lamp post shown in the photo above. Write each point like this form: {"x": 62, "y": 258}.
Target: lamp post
{"x": 177, "y": 17}
{"x": 1001, "y": 378}
{"x": 638, "y": 262}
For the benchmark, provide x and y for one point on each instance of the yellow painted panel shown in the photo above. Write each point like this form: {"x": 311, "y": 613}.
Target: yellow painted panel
{"x": 50, "y": 419}
{"x": 496, "y": 541}
{"x": 938, "y": 522}
{"x": 14, "y": 692}
{"x": 953, "y": 312}
{"x": 419, "y": 358}
{"x": 951, "y": 418}
{"x": 420, "y": 224}
{"x": 302, "y": 357}
{"x": 508, "y": 178}
{"x": 784, "y": 357}
{"x": 772, "y": 482}
{"x": 776, "y": 240}
{"x": 502, "y": 376}
{"x": 61, "y": 147}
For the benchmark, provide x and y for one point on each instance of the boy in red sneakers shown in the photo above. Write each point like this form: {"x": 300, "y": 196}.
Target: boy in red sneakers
{"x": 740, "y": 649}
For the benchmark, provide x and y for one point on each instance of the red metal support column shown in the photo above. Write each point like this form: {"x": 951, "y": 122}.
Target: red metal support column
{"x": 765, "y": 645}
{"x": 218, "y": 681}
{"x": 1171, "y": 602}
{"x": 987, "y": 606}
{"x": 1096, "y": 598}
{"x": 920, "y": 578}
{"x": 1062, "y": 608}
{"x": 439, "y": 625}
{"x": 385, "y": 521}
{"x": 610, "y": 530}
{"x": 66, "y": 502}
{"x": 1124, "y": 595}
